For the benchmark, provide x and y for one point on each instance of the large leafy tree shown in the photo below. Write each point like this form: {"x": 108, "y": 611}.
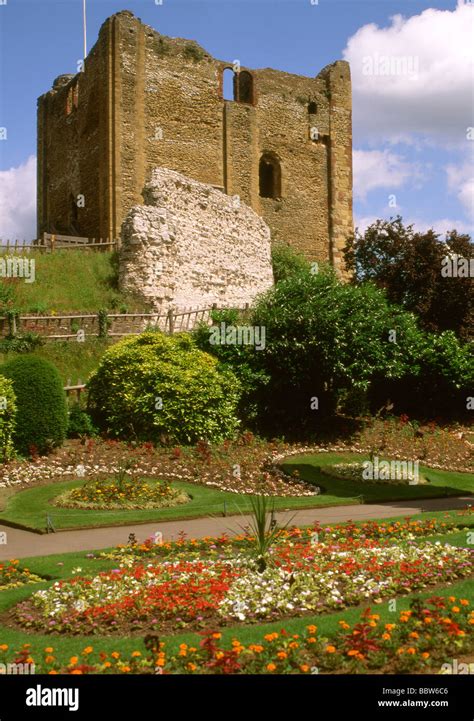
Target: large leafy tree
{"x": 407, "y": 265}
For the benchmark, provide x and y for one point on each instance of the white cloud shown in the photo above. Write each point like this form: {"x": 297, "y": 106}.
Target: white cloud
{"x": 461, "y": 182}
{"x": 427, "y": 94}
{"x": 380, "y": 169}
{"x": 18, "y": 202}
{"x": 441, "y": 225}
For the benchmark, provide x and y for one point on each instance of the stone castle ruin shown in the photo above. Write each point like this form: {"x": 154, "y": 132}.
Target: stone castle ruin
{"x": 144, "y": 101}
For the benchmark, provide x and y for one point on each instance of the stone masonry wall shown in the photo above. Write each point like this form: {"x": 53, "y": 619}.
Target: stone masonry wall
{"x": 147, "y": 100}
{"x": 191, "y": 245}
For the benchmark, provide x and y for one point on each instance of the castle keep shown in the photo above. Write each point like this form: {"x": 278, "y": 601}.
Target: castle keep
{"x": 144, "y": 100}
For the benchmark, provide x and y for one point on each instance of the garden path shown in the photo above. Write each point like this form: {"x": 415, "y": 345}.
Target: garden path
{"x": 21, "y": 544}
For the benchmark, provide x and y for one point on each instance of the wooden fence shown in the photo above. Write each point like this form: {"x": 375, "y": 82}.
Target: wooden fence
{"x": 49, "y": 242}
{"x": 80, "y": 326}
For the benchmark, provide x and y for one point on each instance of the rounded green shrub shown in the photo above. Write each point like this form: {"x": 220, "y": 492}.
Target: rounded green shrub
{"x": 163, "y": 388}
{"x": 7, "y": 418}
{"x": 42, "y": 419}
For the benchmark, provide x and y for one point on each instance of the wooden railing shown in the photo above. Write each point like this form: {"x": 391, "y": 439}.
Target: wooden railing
{"x": 49, "y": 242}
{"x": 80, "y": 326}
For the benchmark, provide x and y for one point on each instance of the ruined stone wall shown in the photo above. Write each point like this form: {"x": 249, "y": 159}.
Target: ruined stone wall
{"x": 192, "y": 245}
{"x": 160, "y": 105}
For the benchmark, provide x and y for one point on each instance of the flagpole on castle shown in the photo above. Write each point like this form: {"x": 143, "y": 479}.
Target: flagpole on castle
{"x": 85, "y": 28}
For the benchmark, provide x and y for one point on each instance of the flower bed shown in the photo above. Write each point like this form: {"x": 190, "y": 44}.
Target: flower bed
{"x": 12, "y": 575}
{"x": 304, "y": 575}
{"x": 425, "y": 638}
{"x": 128, "y": 492}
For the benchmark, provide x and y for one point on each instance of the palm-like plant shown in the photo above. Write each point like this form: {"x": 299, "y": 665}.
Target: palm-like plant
{"x": 264, "y": 529}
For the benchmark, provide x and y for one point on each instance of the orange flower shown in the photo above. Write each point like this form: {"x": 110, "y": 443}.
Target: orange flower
{"x": 330, "y": 649}
{"x": 191, "y": 666}
{"x": 271, "y": 667}
{"x": 411, "y": 650}
{"x": 386, "y": 636}
{"x": 115, "y": 654}
{"x": 125, "y": 669}
{"x": 48, "y": 649}
{"x": 4, "y": 647}
{"x": 389, "y": 626}
{"x": 282, "y": 654}
{"x": 52, "y": 672}
{"x": 88, "y": 650}
{"x": 73, "y": 660}
{"x": 136, "y": 654}
{"x": 304, "y": 668}
{"x": 312, "y": 629}
{"x": 455, "y": 609}
{"x": 425, "y": 654}
{"x": 344, "y": 625}
{"x": 107, "y": 664}
{"x": 76, "y": 672}
{"x": 49, "y": 659}
{"x": 293, "y": 644}
{"x": 464, "y": 602}
{"x": 311, "y": 639}
{"x": 217, "y": 635}
{"x": 414, "y": 634}
{"x": 353, "y": 652}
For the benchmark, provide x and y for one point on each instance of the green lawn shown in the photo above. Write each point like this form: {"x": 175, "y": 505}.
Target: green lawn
{"x": 73, "y": 281}
{"x": 441, "y": 483}
{"x": 29, "y": 508}
{"x": 60, "y": 567}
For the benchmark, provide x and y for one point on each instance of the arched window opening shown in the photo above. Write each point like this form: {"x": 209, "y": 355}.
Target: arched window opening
{"x": 312, "y": 108}
{"x": 269, "y": 176}
{"x": 228, "y": 84}
{"x": 245, "y": 87}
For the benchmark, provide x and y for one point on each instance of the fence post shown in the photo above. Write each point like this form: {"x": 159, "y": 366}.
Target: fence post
{"x": 171, "y": 320}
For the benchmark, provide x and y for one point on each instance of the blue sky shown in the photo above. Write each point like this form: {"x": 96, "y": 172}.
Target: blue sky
{"x": 411, "y": 152}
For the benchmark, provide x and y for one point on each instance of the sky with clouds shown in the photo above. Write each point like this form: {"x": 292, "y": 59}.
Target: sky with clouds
{"x": 412, "y": 73}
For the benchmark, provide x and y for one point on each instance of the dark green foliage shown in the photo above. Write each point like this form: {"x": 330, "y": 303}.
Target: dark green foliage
{"x": 80, "y": 423}
{"x": 41, "y": 421}
{"x": 286, "y": 262}
{"x": 407, "y": 265}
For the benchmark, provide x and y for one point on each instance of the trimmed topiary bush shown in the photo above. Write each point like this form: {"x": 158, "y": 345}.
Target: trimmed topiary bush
{"x": 41, "y": 421}
{"x": 163, "y": 388}
{"x": 7, "y": 418}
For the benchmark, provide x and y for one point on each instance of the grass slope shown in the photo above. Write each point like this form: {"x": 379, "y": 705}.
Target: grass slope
{"x": 72, "y": 280}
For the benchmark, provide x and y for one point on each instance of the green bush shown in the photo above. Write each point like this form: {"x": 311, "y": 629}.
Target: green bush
{"x": 163, "y": 388}
{"x": 80, "y": 422}
{"x": 237, "y": 358}
{"x": 41, "y": 421}
{"x": 7, "y": 418}
{"x": 324, "y": 337}
{"x": 287, "y": 262}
